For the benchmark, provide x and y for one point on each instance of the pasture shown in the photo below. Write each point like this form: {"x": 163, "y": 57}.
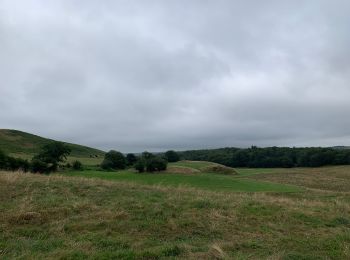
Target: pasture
{"x": 124, "y": 215}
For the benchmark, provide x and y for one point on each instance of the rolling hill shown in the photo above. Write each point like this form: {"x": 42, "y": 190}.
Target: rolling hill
{"x": 22, "y": 144}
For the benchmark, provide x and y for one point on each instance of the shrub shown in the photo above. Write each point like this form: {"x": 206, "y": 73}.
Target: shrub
{"x": 106, "y": 164}
{"x": 15, "y": 164}
{"x": 77, "y": 165}
{"x": 38, "y": 166}
{"x": 156, "y": 164}
{"x": 113, "y": 160}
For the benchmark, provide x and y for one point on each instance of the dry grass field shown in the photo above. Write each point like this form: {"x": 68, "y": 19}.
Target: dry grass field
{"x": 59, "y": 217}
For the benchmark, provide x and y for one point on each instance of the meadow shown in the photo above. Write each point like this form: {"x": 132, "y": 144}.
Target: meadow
{"x": 301, "y": 213}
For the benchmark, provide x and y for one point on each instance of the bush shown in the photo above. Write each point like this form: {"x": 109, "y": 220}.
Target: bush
{"x": 156, "y": 164}
{"x": 15, "y": 164}
{"x": 77, "y": 165}
{"x": 38, "y": 166}
{"x": 172, "y": 156}
{"x": 114, "y": 160}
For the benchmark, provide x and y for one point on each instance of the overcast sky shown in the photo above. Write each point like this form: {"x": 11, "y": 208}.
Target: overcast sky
{"x": 177, "y": 74}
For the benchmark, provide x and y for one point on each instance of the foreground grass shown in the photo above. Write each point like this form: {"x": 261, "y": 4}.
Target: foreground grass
{"x": 43, "y": 217}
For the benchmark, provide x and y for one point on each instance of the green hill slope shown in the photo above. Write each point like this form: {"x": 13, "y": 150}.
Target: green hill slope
{"x": 18, "y": 143}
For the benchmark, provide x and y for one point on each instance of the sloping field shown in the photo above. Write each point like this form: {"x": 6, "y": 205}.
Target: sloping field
{"x": 58, "y": 217}
{"x": 25, "y": 145}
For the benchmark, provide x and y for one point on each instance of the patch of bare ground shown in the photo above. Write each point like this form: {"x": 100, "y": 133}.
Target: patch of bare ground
{"x": 181, "y": 169}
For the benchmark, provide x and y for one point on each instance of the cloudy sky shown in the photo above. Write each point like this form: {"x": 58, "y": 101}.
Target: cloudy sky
{"x": 138, "y": 75}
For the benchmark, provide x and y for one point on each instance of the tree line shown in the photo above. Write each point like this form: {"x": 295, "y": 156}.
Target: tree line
{"x": 54, "y": 155}
{"x": 271, "y": 157}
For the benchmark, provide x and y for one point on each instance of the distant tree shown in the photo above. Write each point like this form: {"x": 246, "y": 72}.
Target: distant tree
{"x": 77, "y": 165}
{"x": 147, "y": 155}
{"x": 150, "y": 163}
{"x": 172, "y": 156}
{"x": 114, "y": 161}
{"x": 131, "y": 159}
{"x": 50, "y": 156}
{"x": 140, "y": 165}
{"x": 156, "y": 164}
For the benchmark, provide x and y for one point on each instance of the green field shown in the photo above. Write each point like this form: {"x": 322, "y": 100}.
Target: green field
{"x": 202, "y": 180}
{"x": 125, "y": 215}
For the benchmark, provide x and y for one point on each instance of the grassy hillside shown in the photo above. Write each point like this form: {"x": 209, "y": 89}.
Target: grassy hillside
{"x": 61, "y": 217}
{"x": 25, "y": 145}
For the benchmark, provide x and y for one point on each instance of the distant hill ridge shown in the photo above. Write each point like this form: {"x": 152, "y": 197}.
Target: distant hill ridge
{"x": 21, "y": 143}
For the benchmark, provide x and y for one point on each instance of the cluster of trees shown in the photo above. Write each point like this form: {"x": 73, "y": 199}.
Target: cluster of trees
{"x": 45, "y": 162}
{"x": 150, "y": 163}
{"x": 271, "y": 156}
{"x": 146, "y": 162}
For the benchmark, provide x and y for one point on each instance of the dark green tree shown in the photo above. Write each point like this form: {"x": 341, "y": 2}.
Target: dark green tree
{"x": 156, "y": 164}
{"x": 50, "y": 156}
{"x": 131, "y": 159}
{"x": 172, "y": 156}
{"x": 114, "y": 160}
{"x": 140, "y": 165}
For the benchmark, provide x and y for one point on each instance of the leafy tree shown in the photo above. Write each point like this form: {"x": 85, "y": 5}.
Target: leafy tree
{"x": 140, "y": 165}
{"x": 114, "y": 160}
{"x": 131, "y": 159}
{"x": 150, "y": 163}
{"x": 147, "y": 155}
{"x": 172, "y": 156}
{"x": 51, "y": 155}
{"x": 156, "y": 164}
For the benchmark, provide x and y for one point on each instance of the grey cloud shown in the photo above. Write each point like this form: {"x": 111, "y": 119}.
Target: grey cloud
{"x": 154, "y": 75}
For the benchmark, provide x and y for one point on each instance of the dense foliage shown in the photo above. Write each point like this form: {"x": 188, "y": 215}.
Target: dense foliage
{"x": 172, "y": 156}
{"x": 13, "y": 164}
{"x": 131, "y": 159}
{"x": 114, "y": 161}
{"x": 271, "y": 156}
{"x": 77, "y": 165}
{"x": 150, "y": 163}
{"x": 44, "y": 162}
{"x": 49, "y": 157}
